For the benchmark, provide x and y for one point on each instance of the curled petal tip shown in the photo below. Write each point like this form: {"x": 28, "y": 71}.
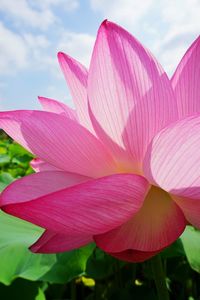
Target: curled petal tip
{"x": 65, "y": 58}
{"x": 107, "y": 25}
{"x": 104, "y": 23}
{"x": 33, "y": 249}
{"x": 60, "y": 55}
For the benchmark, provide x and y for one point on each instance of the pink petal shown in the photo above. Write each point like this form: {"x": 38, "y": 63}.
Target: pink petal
{"x": 186, "y": 81}
{"x": 130, "y": 95}
{"x": 134, "y": 255}
{"x": 158, "y": 224}
{"x": 39, "y": 184}
{"x": 59, "y": 141}
{"x": 190, "y": 208}
{"x": 173, "y": 158}
{"x": 39, "y": 165}
{"x": 51, "y": 242}
{"x": 76, "y": 76}
{"x": 89, "y": 208}
{"x": 57, "y": 107}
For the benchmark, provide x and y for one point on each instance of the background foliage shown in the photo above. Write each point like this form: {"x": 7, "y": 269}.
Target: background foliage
{"x": 85, "y": 273}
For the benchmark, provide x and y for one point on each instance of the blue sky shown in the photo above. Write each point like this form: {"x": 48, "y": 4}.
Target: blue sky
{"x": 33, "y": 31}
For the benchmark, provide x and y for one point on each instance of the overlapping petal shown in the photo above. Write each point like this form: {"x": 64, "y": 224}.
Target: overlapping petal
{"x": 130, "y": 95}
{"x": 51, "y": 242}
{"x": 90, "y": 208}
{"x": 134, "y": 255}
{"x": 39, "y": 165}
{"x": 172, "y": 162}
{"x": 186, "y": 81}
{"x": 39, "y": 184}
{"x": 59, "y": 141}
{"x": 190, "y": 208}
{"x": 173, "y": 158}
{"x": 76, "y": 76}
{"x": 158, "y": 223}
{"x": 55, "y": 106}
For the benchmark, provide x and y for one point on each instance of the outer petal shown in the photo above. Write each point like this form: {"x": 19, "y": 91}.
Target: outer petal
{"x": 134, "y": 255}
{"x": 57, "y": 107}
{"x": 173, "y": 158}
{"x": 51, "y": 242}
{"x": 90, "y": 208}
{"x": 190, "y": 208}
{"x": 173, "y": 162}
{"x": 158, "y": 223}
{"x": 76, "y": 76}
{"x": 186, "y": 81}
{"x": 59, "y": 141}
{"x": 39, "y": 165}
{"x": 39, "y": 184}
{"x": 130, "y": 95}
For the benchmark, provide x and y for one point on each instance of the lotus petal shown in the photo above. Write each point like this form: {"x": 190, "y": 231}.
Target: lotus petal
{"x": 186, "y": 81}
{"x": 58, "y": 107}
{"x": 130, "y": 95}
{"x": 59, "y": 141}
{"x": 92, "y": 207}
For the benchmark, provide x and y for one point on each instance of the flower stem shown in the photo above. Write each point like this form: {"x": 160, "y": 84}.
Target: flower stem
{"x": 159, "y": 277}
{"x": 73, "y": 290}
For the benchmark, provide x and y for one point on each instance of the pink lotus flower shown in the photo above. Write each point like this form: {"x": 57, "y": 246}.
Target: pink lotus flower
{"x": 123, "y": 169}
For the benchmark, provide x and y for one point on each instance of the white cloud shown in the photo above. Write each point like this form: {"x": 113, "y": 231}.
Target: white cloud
{"x": 34, "y": 52}
{"x": 167, "y": 27}
{"x": 171, "y": 48}
{"x": 78, "y": 45}
{"x": 13, "y": 51}
{"x": 68, "y": 5}
{"x": 181, "y": 17}
{"x": 19, "y": 52}
{"x": 63, "y": 95}
{"x": 38, "y": 14}
{"x": 128, "y": 12}
{"x": 182, "y": 12}
{"x": 22, "y": 49}
{"x": 2, "y": 87}
{"x": 22, "y": 13}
